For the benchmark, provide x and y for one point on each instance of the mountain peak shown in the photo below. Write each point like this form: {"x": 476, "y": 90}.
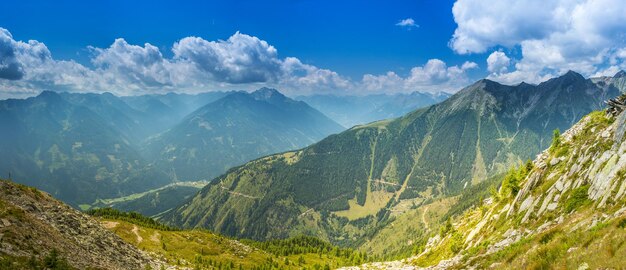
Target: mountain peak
{"x": 620, "y": 74}
{"x": 267, "y": 94}
{"x": 570, "y": 77}
{"x": 48, "y": 93}
{"x": 267, "y": 90}
{"x": 483, "y": 84}
{"x": 572, "y": 74}
{"x": 49, "y": 96}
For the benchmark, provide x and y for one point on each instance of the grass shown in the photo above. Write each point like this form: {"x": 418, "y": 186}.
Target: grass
{"x": 201, "y": 249}
{"x": 374, "y": 201}
{"x": 578, "y": 197}
{"x": 601, "y": 246}
{"x": 409, "y": 232}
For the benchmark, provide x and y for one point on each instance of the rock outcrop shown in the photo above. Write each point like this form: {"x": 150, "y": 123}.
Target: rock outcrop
{"x": 32, "y": 224}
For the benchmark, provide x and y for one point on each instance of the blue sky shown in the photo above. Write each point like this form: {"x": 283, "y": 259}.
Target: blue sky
{"x": 302, "y": 47}
{"x": 350, "y": 37}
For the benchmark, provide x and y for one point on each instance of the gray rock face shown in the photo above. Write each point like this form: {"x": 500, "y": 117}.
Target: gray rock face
{"x": 587, "y": 164}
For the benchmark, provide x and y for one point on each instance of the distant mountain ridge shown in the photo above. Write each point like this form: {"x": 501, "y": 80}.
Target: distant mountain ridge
{"x": 354, "y": 110}
{"x": 70, "y": 150}
{"x": 85, "y": 147}
{"x": 237, "y": 128}
{"x": 354, "y": 178}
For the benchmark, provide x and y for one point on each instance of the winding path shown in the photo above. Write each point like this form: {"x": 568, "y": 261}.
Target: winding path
{"x": 136, "y": 232}
{"x": 424, "y": 216}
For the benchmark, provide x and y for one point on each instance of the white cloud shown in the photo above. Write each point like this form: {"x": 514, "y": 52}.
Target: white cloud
{"x": 135, "y": 66}
{"x": 240, "y": 59}
{"x": 609, "y": 71}
{"x": 434, "y": 76}
{"x": 498, "y": 62}
{"x": 37, "y": 70}
{"x": 554, "y": 36}
{"x": 10, "y": 67}
{"x": 240, "y": 62}
{"x": 197, "y": 65}
{"x": 469, "y": 65}
{"x": 408, "y": 23}
{"x": 308, "y": 78}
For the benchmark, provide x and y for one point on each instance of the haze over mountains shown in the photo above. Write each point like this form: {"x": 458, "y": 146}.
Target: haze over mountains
{"x": 354, "y": 110}
{"x": 237, "y": 128}
{"x": 385, "y": 188}
{"x": 300, "y": 135}
{"x": 83, "y": 147}
{"x": 345, "y": 186}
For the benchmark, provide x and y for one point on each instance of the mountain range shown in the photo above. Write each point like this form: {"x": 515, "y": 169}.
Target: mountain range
{"x": 234, "y": 129}
{"x": 85, "y": 147}
{"x": 348, "y": 185}
{"x": 564, "y": 209}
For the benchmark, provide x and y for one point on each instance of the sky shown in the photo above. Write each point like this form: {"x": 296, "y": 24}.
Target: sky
{"x": 302, "y": 47}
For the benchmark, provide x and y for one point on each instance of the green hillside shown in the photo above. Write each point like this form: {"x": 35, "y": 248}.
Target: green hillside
{"x": 201, "y": 249}
{"x": 369, "y": 169}
{"x": 564, "y": 210}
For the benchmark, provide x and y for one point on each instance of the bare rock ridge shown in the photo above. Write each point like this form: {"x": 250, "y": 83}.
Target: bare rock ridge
{"x": 32, "y": 223}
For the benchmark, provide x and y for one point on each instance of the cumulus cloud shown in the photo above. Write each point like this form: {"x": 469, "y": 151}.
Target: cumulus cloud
{"x": 553, "y": 36}
{"x": 434, "y": 76}
{"x": 136, "y": 66}
{"x": 498, "y": 62}
{"x": 240, "y": 62}
{"x": 309, "y": 78}
{"x": 10, "y": 68}
{"x": 28, "y": 67}
{"x": 240, "y": 59}
{"x": 407, "y": 23}
{"x": 197, "y": 65}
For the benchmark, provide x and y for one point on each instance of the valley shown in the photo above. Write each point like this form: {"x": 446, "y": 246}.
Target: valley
{"x": 117, "y": 147}
{"x": 312, "y": 135}
{"x": 362, "y": 177}
{"x": 382, "y": 219}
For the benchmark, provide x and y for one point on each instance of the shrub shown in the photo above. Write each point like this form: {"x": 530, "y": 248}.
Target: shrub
{"x": 556, "y": 139}
{"x": 54, "y": 261}
{"x": 622, "y": 223}
{"x": 446, "y": 228}
{"x": 577, "y": 198}
{"x": 456, "y": 242}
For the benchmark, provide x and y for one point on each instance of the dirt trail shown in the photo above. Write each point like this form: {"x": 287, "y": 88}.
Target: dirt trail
{"x": 155, "y": 237}
{"x": 237, "y": 193}
{"x": 386, "y": 183}
{"x": 136, "y": 232}
{"x": 110, "y": 224}
{"x": 424, "y": 216}
{"x": 305, "y": 212}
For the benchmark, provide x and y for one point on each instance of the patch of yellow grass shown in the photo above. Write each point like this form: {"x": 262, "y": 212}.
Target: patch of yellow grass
{"x": 375, "y": 201}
